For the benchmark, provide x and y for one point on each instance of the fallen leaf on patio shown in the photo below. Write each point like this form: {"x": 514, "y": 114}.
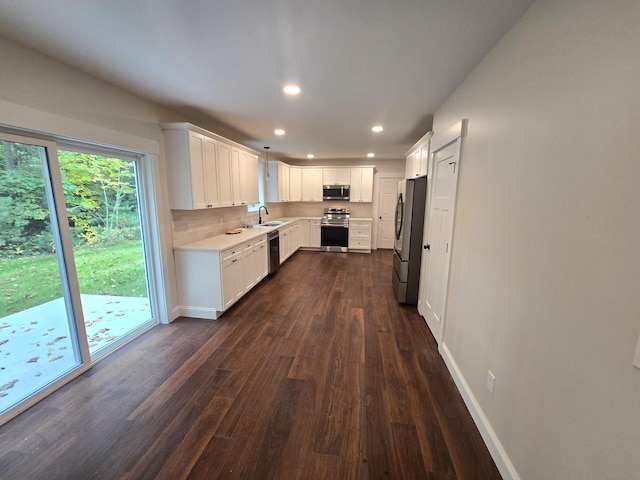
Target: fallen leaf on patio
{"x": 55, "y": 358}
{"x": 9, "y": 385}
{"x": 2, "y": 342}
{"x": 34, "y": 322}
{"x": 33, "y": 360}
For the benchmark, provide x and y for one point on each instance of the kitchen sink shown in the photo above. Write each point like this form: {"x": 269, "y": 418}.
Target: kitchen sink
{"x": 275, "y": 223}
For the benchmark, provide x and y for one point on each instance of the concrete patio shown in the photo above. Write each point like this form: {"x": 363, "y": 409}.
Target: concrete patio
{"x": 36, "y": 344}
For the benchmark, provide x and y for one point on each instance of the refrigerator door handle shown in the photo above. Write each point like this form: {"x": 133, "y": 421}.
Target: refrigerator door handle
{"x": 400, "y": 215}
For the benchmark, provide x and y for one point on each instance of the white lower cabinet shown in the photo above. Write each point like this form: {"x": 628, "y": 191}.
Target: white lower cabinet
{"x": 256, "y": 263}
{"x": 289, "y": 240}
{"x": 309, "y": 233}
{"x": 233, "y": 281}
{"x": 211, "y": 281}
{"x": 305, "y": 232}
{"x": 360, "y": 236}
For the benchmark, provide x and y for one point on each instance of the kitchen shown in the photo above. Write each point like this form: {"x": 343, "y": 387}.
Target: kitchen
{"x": 200, "y": 177}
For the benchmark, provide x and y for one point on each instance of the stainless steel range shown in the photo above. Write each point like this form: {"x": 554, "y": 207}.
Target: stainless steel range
{"x": 334, "y": 230}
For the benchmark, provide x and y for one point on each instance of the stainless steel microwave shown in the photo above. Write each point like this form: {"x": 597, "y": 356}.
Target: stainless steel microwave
{"x": 335, "y": 192}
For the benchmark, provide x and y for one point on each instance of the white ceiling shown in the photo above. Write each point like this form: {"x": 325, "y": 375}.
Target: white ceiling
{"x": 358, "y": 62}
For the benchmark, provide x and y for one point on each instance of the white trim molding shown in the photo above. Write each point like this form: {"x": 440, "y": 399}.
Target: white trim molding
{"x": 31, "y": 121}
{"x": 497, "y": 451}
{"x": 442, "y": 139}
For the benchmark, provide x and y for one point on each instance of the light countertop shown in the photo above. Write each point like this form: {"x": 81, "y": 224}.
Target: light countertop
{"x": 224, "y": 241}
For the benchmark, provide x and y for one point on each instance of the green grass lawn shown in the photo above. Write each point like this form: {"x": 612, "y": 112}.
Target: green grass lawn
{"x": 29, "y": 281}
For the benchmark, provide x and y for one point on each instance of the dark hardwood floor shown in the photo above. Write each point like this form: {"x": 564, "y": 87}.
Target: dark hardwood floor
{"x": 316, "y": 374}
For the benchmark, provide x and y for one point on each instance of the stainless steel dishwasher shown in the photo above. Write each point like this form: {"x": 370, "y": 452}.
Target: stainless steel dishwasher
{"x": 274, "y": 250}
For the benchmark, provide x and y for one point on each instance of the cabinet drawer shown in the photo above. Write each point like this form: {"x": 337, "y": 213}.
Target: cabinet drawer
{"x": 232, "y": 252}
{"x": 248, "y": 245}
{"x": 360, "y": 243}
{"x": 357, "y": 223}
{"x": 260, "y": 241}
{"x": 359, "y": 231}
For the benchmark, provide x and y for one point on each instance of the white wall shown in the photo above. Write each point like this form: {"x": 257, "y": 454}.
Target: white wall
{"x": 40, "y": 94}
{"x": 546, "y": 263}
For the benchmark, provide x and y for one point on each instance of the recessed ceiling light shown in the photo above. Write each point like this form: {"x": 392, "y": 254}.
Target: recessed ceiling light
{"x": 309, "y": 155}
{"x": 291, "y": 89}
{"x": 279, "y": 131}
{"x": 377, "y": 128}
{"x": 371, "y": 155}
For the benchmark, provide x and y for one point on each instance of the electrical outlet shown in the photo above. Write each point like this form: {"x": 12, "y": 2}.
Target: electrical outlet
{"x": 491, "y": 381}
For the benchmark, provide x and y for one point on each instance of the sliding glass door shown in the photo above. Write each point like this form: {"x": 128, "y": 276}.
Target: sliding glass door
{"x": 74, "y": 283}
{"x": 102, "y": 198}
{"x": 38, "y": 330}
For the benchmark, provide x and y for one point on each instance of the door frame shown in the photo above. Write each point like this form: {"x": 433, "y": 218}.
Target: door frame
{"x": 376, "y": 203}
{"x": 454, "y": 134}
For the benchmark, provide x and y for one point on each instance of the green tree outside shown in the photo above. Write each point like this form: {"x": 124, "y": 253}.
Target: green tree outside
{"x": 102, "y": 209}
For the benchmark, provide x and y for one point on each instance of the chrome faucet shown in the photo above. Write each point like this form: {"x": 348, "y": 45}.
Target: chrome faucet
{"x": 266, "y": 212}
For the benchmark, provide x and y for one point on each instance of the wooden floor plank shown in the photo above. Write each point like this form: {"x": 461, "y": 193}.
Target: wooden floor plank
{"x": 316, "y": 373}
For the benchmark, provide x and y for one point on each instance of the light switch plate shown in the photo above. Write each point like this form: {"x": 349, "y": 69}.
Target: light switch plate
{"x": 636, "y": 358}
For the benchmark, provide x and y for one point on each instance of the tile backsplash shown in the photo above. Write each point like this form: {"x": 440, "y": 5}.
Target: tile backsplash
{"x": 193, "y": 225}
{"x": 316, "y": 209}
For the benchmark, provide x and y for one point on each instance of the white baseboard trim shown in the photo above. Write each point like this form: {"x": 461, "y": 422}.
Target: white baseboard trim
{"x": 506, "y": 468}
{"x": 175, "y": 313}
{"x": 200, "y": 312}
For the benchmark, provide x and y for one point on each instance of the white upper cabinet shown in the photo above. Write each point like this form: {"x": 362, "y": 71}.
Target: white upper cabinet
{"x": 311, "y": 184}
{"x": 289, "y": 183}
{"x": 295, "y": 184}
{"x": 191, "y": 167}
{"x": 336, "y": 176}
{"x": 277, "y": 181}
{"x": 244, "y": 177}
{"x": 225, "y": 191}
{"x": 361, "y": 184}
{"x": 418, "y": 158}
{"x": 251, "y": 185}
{"x": 205, "y": 170}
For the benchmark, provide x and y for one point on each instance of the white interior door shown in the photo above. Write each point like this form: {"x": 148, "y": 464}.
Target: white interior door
{"x": 437, "y": 253}
{"x": 387, "y": 196}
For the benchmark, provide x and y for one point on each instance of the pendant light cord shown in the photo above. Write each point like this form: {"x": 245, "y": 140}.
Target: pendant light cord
{"x": 267, "y": 150}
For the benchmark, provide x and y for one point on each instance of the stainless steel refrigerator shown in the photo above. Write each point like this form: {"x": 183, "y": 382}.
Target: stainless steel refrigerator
{"x": 410, "y": 208}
